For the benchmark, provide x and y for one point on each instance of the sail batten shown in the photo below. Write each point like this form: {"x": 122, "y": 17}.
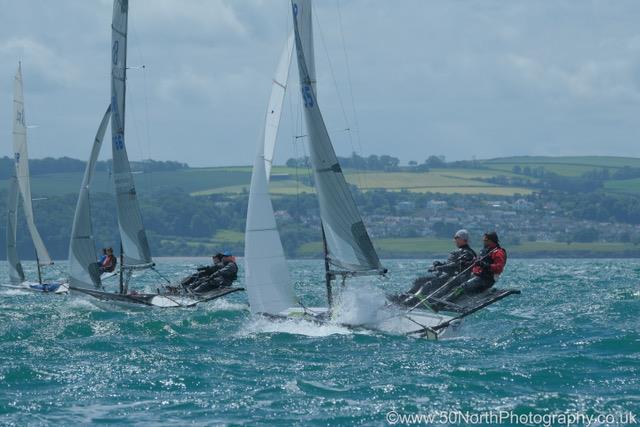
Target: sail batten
{"x": 349, "y": 247}
{"x": 82, "y": 249}
{"x": 132, "y": 233}
{"x": 21, "y": 160}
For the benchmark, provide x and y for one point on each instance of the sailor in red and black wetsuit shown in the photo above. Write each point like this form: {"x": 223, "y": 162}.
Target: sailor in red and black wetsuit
{"x": 109, "y": 262}
{"x": 489, "y": 265}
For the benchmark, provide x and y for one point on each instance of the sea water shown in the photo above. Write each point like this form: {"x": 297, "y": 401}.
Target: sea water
{"x": 569, "y": 344}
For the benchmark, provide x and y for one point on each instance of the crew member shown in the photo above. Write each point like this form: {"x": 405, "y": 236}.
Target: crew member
{"x": 458, "y": 261}
{"x": 487, "y": 268}
{"x": 109, "y": 263}
{"x": 203, "y": 273}
{"x": 223, "y": 277}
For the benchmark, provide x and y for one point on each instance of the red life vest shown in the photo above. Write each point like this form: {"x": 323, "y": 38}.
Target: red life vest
{"x": 109, "y": 263}
{"x": 497, "y": 260}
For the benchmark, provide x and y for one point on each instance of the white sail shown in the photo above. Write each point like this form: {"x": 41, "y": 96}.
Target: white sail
{"x": 349, "y": 247}
{"x": 132, "y": 233}
{"x": 266, "y": 274}
{"x": 22, "y": 167}
{"x": 274, "y": 110}
{"x": 82, "y": 249}
{"x": 16, "y": 274}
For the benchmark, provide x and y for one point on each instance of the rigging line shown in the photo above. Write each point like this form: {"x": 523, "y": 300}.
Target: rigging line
{"x": 335, "y": 83}
{"x": 144, "y": 144}
{"x": 350, "y": 86}
{"x": 161, "y": 275}
{"x": 289, "y": 96}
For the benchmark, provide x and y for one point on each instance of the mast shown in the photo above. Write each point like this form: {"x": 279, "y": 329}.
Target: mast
{"x": 39, "y": 271}
{"x": 328, "y": 276}
{"x": 121, "y": 269}
{"x": 132, "y": 233}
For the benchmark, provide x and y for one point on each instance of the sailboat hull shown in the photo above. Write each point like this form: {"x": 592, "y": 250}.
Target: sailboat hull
{"x": 45, "y": 288}
{"x": 418, "y": 323}
{"x": 144, "y": 300}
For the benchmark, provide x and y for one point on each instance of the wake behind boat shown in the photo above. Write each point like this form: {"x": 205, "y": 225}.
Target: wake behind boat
{"x": 20, "y": 188}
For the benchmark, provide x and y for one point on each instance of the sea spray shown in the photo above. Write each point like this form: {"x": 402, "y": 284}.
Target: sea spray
{"x": 365, "y": 305}
{"x": 263, "y": 325}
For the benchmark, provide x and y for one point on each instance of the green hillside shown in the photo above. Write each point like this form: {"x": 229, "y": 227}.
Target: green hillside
{"x": 565, "y": 165}
{"x": 287, "y": 181}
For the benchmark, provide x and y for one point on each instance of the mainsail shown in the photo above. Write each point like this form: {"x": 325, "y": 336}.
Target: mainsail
{"x": 303, "y": 22}
{"x": 349, "y": 247}
{"x": 132, "y": 233}
{"x": 82, "y": 249}
{"x": 16, "y": 274}
{"x": 267, "y": 276}
{"x": 22, "y": 167}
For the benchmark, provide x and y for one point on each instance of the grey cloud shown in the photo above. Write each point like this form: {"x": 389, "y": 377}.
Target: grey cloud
{"x": 482, "y": 78}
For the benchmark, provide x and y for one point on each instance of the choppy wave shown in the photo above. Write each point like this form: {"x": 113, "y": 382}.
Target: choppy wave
{"x": 568, "y": 343}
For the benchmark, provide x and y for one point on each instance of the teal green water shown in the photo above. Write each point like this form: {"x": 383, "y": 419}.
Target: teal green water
{"x": 570, "y": 342}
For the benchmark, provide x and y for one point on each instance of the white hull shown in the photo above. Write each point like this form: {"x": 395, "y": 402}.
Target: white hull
{"x": 156, "y": 302}
{"x": 418, "y": 323}
{"x": 32, "y": 287}
{"x": 143, "y": 301}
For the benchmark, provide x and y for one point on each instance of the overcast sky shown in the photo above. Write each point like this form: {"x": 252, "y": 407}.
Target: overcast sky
{"x": 410, "y": 78}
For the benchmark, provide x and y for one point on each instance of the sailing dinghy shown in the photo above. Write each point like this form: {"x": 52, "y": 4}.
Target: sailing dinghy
{"x": 20, "y": 188}
{"x": 348, "y": 250}
{"x": 135, "y": 252}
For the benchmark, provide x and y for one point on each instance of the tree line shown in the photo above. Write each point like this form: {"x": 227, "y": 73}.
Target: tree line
{"x": 50, "y": 165}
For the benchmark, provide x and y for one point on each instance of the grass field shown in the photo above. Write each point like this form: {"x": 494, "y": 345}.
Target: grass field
{"x": 448, "y": 181}
{"x": 568, "y": 166}
{"x": 592, "y": 161}
{"x": 236, "y": 179}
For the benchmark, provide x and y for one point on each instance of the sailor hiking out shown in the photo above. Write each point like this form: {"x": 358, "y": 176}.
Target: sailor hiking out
{"x": 222, "y": 273}
{"x": 203, "y": 273}
{"x": 456, "y": 266}
{"x": 487, "y": 268}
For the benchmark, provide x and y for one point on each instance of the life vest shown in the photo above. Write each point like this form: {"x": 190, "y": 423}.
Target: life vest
{"x": 109, "y": 263}
{"x": 497, "y": 260}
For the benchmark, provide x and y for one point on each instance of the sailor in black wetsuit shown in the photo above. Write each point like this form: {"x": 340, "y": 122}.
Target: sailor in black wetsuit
{"x": 223, "y": 277}
{"x": 203, "y": 273}
{"x": 459, "y": 260}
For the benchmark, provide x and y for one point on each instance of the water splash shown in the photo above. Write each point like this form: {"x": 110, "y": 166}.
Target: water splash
{"x": 262, "y": 325}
